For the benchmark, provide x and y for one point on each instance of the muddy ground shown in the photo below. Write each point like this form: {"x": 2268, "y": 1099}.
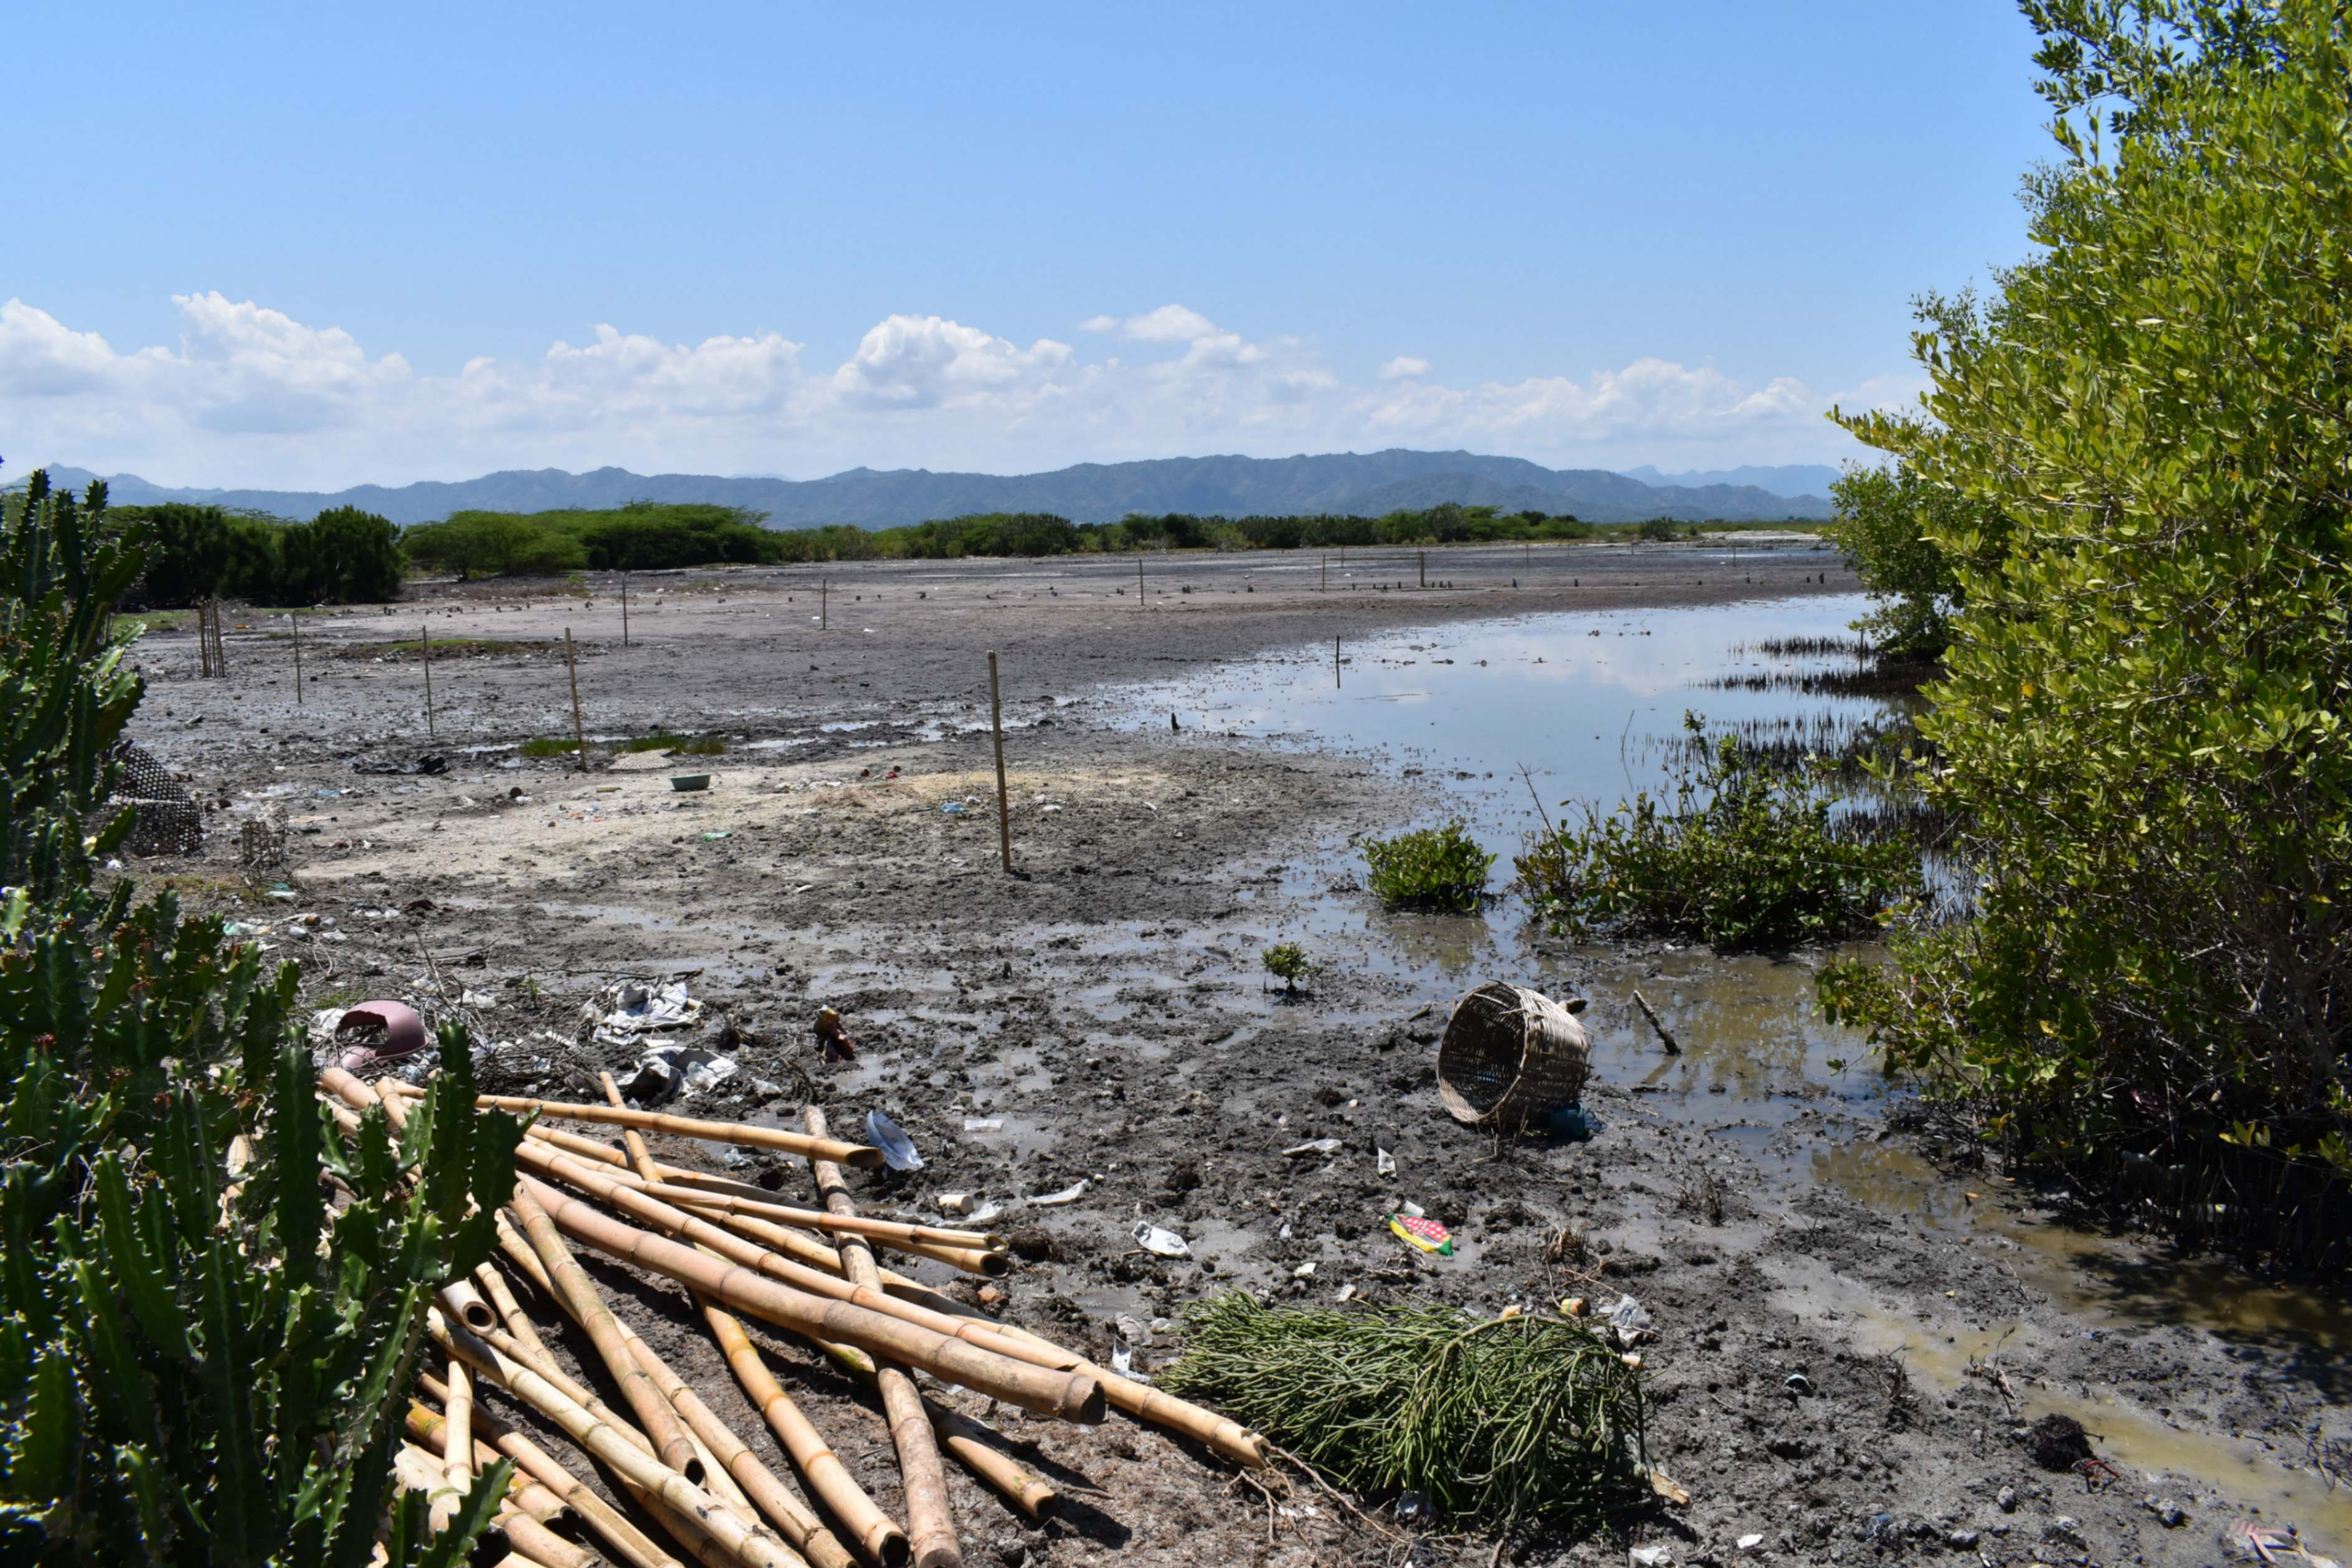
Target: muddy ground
{"x": 1105, "y": 1009}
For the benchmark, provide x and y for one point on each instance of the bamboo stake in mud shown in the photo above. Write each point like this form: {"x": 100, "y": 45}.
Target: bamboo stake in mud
{"x": 1335, "y": 663}
{"x": 579, "y": 729}
{"x": 625, "y": 609}
{"x": 930, "y": 1523}
{"x": 1327, "y": 576}
{"x": 295, "y": 618}
{"x": 996, "y": 727}
{"x": 425, "y": 651}
{"x": 824, "y": 588}
{"x": 1138, "y": 579}
{"x": 1425, "y": 569}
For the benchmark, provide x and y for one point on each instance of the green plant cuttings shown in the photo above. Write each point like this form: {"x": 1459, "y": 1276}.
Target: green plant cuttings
{"x": 201, "y": 1362}
{"x": 1524, "y": 1419}
{"x": 1429, "y": 868}
{"x": 1743, "y": 855}
{"x": 1288, "y": 962}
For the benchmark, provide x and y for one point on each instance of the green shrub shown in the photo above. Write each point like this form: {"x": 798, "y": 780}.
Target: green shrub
{"x": 1744, "y": 855}
{"x": 1436, "y": 868}
{"x": 199, "y": 1363}
{"x": 2141, "y": 722}
{"x": 1288, "y": 962}
{"x": 494, "y": 544}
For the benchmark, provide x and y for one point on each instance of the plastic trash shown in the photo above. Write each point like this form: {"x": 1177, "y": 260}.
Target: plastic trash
{"x": 622, "y": 1012}
{"x": 1070, "y": 1194}
{"x": 898, "y": 1149}
{"x": 1413, "y": 1506}
{"x": 1384, "y": 1161}
{"x": 833, "y": 1040}
{"x": 1161, "y": 1243}
{"x": 1422, "y": 1234}
{"x": 388, "y": 1031}
{"x": 983, "y": 1125}
{"x": 951, "y": 809}
{"x": 1659, "y": 1556}
{"x": 1750, "y": 1542}
{"x": 1315, "y": 1146}
{"x": 1628, "y": 1317}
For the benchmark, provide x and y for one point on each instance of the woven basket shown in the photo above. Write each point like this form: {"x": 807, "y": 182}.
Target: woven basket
{"x": 1511, "y": 1056}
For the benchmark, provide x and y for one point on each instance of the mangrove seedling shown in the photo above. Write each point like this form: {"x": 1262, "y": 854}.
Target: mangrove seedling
{"x": 1431, "y": 868}
{"x": 1288, "y": 962}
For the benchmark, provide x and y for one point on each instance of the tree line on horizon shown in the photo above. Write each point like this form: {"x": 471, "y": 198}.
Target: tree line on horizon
{"x": 350, "y": 556}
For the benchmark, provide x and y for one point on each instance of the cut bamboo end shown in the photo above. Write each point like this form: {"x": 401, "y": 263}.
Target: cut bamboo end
{"x": 626, "y": 1541}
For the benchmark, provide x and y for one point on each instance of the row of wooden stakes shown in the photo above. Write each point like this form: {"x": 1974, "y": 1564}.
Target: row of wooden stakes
{"x": 737, "y": 1250}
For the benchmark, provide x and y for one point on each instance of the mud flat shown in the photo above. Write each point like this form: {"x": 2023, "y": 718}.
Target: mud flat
{"x": 1854, "y": 1322}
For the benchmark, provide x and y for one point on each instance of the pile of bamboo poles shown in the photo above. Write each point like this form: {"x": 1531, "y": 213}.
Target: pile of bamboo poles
{"x": 739, "y": 1252}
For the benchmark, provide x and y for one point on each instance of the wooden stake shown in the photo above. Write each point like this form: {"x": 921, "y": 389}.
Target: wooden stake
{"x": 425, "y": 651}
{"x": 930, "y": 1523}
{"x": 1335, "y": 663}
{"x": 579, "y": 729}
{"x": 823, "y": 590}
{"x": 1666, "y": 1037}
{"x": 1327, "y": 576}
{"x": 1425, "y": 569}
{"x": 296, "y": 618}
{"x": 203, "y": 644}
{"x": 625, "y": 609}
{"x": 997, "y": 726}
{"x": 1138, "y": 579}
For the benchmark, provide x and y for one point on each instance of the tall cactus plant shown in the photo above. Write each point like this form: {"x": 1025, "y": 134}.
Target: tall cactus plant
{"x": 203, "y": 1359}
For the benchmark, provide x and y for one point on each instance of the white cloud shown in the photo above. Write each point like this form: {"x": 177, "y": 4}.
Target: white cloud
{"x": 251, "y": 396}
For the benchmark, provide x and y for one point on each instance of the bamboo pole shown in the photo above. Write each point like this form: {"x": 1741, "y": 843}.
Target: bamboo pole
{"x": 841, "y": 1226}
{"x": 735, "y": 1460}
{"x": 425, "y": 652}
{"x": 417, "y": 1471}
{"x": 875, "y": 1533}
{"x": 578, "y": 1294}
{"x": 294, "y": 618}
{"x": 533, "y": 1541}
{"x": 641, "y": 1158}
{"x": 625, "y": 609}
{"x": 430, "y": 1428}
{"x": 930, "y": 1520}
{"x": 626, "y": 1540}
{"x": 502, "y": 1297}
{"x": 992, "y": 1264}
{"x": 690, "y": 1127}
{"x": 457, "y": 1434}
{"x": 692, "y": 1507}
{"x": 460, "y": 1297}
{"x": 736, "y": 1248}
{"x": 996, "y": 727}
{"x": 946, "y": 1356}
{"x": 968, "y": 1442}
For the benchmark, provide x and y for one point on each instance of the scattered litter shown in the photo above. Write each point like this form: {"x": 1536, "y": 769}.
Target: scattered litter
{"x": 1304, "y": 1271}
{"x": 959, "y": 1202}
{"x": 2271, "y": 1544}
{"x": 689, "y": 783}
{"x": 1797, "y": 1383}
{"x": 622, "y": 1012}
{"x": 951, "y": 809}
{"x": 1426, "y": 1235}
{"x": 983, "y": 1125}
{"x": 1347, "y": 1293}
{"x": 898, "y": 1149}
{"x": 1750, "y": 1542}
{"x": 1122, "y": 1361}
{"x": 1158, "y": 1242}
{"x": 1315, "y": 1146}
{"x": 1384, "y": 1161}
{"x": 1070, "y": 1194}
{"x": 432, "y": 762}
{"x": 834, "y": 1043}
{"x": 1411, "y": 1506}
{"x": 715, "y": 836}
{"x": 1659, "y": 1556}
{"x": 1667, "y": 1487}
{"x": 667, "y": 1071}
{"x": 1630, "y": 1320}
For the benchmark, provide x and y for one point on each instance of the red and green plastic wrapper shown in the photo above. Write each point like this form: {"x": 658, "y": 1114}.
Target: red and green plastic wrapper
{"x": 1427, "y": 1235}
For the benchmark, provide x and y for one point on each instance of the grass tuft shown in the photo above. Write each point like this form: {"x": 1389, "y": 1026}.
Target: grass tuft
{"x": 1518, "y": 1418}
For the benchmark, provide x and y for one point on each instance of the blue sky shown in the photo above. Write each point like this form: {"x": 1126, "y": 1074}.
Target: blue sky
{"x": 315, "y": 246}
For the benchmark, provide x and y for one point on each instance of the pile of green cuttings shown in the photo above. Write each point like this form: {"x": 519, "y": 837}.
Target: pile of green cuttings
{"x": 1512, "y": 1420}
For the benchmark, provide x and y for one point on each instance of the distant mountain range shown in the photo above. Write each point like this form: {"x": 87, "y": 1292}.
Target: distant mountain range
{"x": 1793, "y": 479}
{"x": 1367, "y": 483}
